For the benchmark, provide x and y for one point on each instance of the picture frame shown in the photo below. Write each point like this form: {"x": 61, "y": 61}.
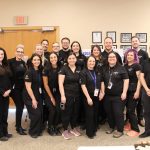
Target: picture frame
{"x": 111, "y": 34}
{"x": 96, "y": 37}
{"x": 125, "y": 37}
{"x": 101, "y": 46}
{"x": 143, "y": 47}
{"x": 142, "y": 37}
{"x": 125, "y": 47}
{"x": 114, "y": 46}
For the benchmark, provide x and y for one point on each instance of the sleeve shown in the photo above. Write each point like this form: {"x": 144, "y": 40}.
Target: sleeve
{"x": 142, "y": 66}
{"x": 124, "y": 73}
{"x": 62, "y": 70}
{"x": 82, "y": 77}
{"x": 45, "y": 72}
{"x": 137, "y": 67}
{"x": 2, "y": 91}
{"x": 28, "y": 76}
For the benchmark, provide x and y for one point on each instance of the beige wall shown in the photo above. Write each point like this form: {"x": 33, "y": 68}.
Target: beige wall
{"x": 78, "y": 18}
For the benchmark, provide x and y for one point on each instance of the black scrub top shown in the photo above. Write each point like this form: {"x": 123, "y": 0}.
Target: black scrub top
{"x": 71, "y": 81}
{"x": 52, "y": 75}
{"x": 117, "y": 74}
{"x": 133, "y": 80}
{"x": 142, "y": 56}
{"x": 99, "y": 64}
{"x": 146, "y": 71}
{"x": 5, "y": 79}
{"x": 18, "y": 69}
{"x": 35, "y": 78}
{"x": 87, "y": 78}
{"x": 63, "y": 56}
{"x": 81, "y": 61}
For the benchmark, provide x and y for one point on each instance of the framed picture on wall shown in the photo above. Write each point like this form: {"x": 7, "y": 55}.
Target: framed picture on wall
{"x": 125, "y": 37}
{"x": 114, "y": 46}
{"x": 143, "y": 47}
{"x": 142, "y": 37}
{"x": 125, "y": 47}
{"x": 96, "y": 37}
{"x": 112, "y": 34}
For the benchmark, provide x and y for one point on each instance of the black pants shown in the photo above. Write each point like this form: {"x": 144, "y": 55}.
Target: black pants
{"x": 4, "y": 104}
{"x": 146, "y": 104}
{"x": 131, "y": 107}
{"x": 16, "y": 95}
{"x": 71, "y": 112}
{"x": 35, "y": 116}
{"x": 114, "y": 107}
{"x": 53, "y": 111}
{"x": 101, "y": 111}
{"x": 91, "y": 116}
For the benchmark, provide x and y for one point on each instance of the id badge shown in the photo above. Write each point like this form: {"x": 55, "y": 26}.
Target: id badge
{"x": 96, "y": 92}
{"x": 109, "y": 85}
{"x": 54, "y": 89}
{"x": 40, "y": 90}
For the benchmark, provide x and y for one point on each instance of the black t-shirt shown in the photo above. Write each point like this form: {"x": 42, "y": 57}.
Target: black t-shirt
{"x": 142, "y": 56}
{"x": 105, "y": 56}
{"x": 46, "y": 55}
{"x": 71, "y": 82}
{"x": 81, "y": 61}
{"x": 5, "y": 79}
{"x": 115, "y": 75}
{"x": 35, "y": 78}
{"x": 146, "y": 71}
{"x": 63, "y": 56}
{"x": 99, "y": 64}
{"x": 133, "y": 80}
{"x": 52, "y": 75}
{"x": 18, "y": 69}
{"x": 87, "y": 78}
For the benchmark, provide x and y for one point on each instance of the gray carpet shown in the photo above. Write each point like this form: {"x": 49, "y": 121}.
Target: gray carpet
{"x": 47, "y": 142}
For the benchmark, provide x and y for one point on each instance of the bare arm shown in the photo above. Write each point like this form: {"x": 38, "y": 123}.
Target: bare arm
{"x": 45, "y": 81}
{"x": 102, "y": 91}
{"x": 125, "y": 88}
{"x": 138, "y": 88}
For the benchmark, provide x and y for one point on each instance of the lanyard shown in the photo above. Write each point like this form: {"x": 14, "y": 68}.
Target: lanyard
{"x": 93, "y": 78}
{"x": 110, "y": 74}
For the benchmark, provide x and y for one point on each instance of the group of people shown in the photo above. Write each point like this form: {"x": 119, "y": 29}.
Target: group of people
{"x": 63, "y": 87}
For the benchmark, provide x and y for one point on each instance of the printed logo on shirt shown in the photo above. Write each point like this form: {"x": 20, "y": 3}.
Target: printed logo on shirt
{"x": 115, "y": 73}
{"x": 130, "y": 69}
{"x": 26, "y": 77}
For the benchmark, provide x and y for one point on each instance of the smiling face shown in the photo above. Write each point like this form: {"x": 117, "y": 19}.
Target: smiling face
{"x": 55, "y": 47}
{"x": 53, "y": 59}
{"x": 108, "y": 43}
{"x": 39, "y": 50}
{"x": 65, "y": 44}
{"x": 75, "y": 48}
{"x": 112, "y": 60}
{"x": 36, "y": 62}
{"x": 96, "y": 53}
{"x": 19, "y": 53}
{"x": 1, "y": 56}
{"x": 135, "y": 43}
{"x": 91, "y": 63}
{"x": 130, "y": 57}
{"x": 45, "y": 45}
{"x": 72, "y": 60}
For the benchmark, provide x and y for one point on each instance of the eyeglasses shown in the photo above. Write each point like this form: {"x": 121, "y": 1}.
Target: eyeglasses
{"x": 112, "y": 57}
{"x": 20, "y": 52}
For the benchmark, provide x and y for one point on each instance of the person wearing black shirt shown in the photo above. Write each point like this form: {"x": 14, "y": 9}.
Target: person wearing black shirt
{"x": 116, "y": 83}
{"x": 32, "y": 95}
{"x": 133, "y": 68}
{"x": 18, "y": 68}
{"x": 96, "y": 52}
{"x": 52, "y": 95}
{"x": 5, "y": 89}
{"x": 145, "y": 81}
{"x": 64, "y": 52}
{"x": 108, "y": 43}
{"x": 70, "y": 92}
{"x": 91, "y": 84}
{"x": 143, "y": 55}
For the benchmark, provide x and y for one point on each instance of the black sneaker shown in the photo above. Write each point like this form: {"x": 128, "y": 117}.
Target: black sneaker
{"x": 4, "y": 138}
{"x": 21, "y": 131}
{"x": 9, "y": 135}
{"x": 51, "y": 131}
{"x": 144, "y": 135}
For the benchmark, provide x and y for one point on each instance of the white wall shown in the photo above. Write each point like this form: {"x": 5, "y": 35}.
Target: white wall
{"x": 78, "y": 18}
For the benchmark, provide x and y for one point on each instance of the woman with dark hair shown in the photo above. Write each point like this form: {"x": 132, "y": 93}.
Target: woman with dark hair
{"x": 70, "y": 92}
{"x": 32, "y": 95}
{"x": 18, "y": 68}
{"x": 91, "y": 87}
{"x": 133, "y": 68}
{"x": 52, "y": 95}
{"x": 5, "y": 89}
{"x": 76, "y": 49}
{"x": 116, "y": 83}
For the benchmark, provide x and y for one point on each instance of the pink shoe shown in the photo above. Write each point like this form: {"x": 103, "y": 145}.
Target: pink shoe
{"x": 133, "y": 133}
{"x": 75, "y": 132}
{"x": 66, "y": 135}
{"x": 127, "y": 127}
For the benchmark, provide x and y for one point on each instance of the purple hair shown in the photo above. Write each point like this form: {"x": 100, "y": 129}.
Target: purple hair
{"x": 136, "y": 58}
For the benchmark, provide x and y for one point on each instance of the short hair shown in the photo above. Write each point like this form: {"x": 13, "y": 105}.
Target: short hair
{"x": 135, "y": 37}
{"x": 65, "y": 38}
{"x": 136, "y": 58}
{"x": 44, "y": 40}
{"x": 20, "y": 46}
{"x": 108, "y": 38}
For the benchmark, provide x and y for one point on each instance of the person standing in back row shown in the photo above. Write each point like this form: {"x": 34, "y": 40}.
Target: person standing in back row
{"x": 18, "y": 68}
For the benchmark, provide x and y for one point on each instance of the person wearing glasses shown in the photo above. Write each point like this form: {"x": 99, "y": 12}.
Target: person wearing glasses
{"x": 18, "y": 68}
